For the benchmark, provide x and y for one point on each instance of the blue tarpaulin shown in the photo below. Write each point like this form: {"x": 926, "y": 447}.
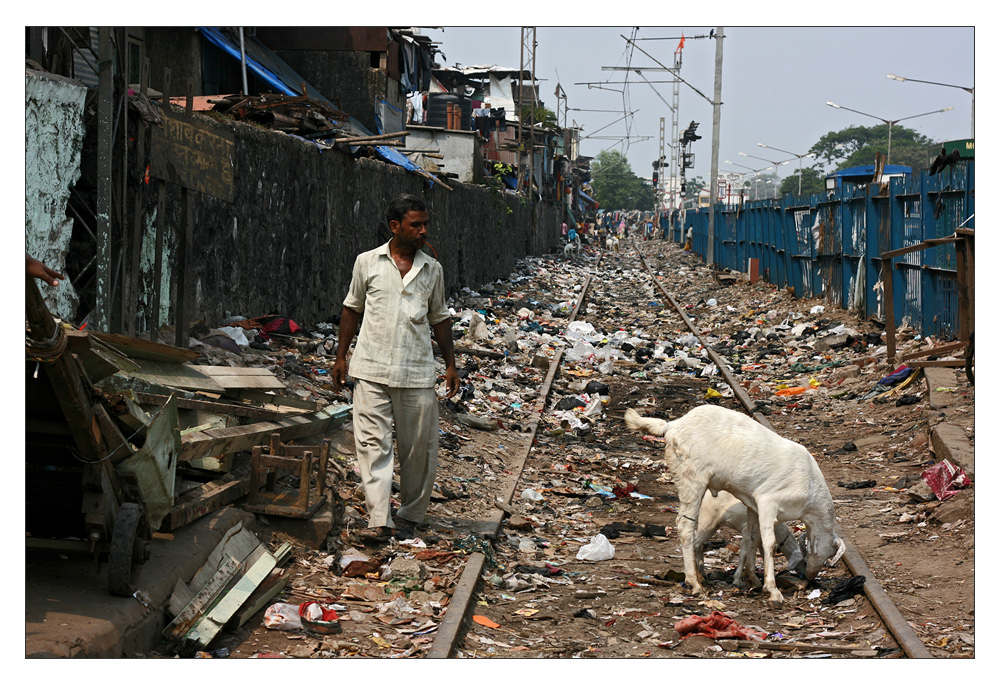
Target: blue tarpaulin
{"x": 274, "y": 71}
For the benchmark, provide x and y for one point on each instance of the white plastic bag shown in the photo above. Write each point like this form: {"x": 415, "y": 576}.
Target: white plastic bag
{"x": 282, "y": 616}
{"x": 598, "y": 549}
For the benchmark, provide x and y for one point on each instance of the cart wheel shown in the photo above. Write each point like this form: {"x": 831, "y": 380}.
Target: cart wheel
{"x": 127, "y": 551}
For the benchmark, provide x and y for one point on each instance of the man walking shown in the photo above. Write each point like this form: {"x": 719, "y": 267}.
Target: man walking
{"x": 400, "y": 291}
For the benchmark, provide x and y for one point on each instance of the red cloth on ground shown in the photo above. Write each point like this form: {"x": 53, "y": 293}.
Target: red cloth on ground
{"x": 716, "y": 625}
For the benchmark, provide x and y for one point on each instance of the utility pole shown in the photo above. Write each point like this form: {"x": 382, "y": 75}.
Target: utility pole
{"x": 674, "y": 137}
{"x": 716, "y": 112}
{"x": 526, "y": 115}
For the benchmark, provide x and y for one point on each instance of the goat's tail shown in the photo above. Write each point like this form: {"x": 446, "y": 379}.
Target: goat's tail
{"x": 650, "y": 425}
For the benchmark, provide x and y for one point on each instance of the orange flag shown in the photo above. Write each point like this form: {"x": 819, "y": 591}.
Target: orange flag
{"x": 680, "y": 46}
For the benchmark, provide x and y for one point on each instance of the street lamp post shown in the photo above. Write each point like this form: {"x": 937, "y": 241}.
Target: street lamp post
{"x": 755, "y": 172}
{"x": 890, "y": 122}
{"x": 970, "y": 91}
{"x": 809, "y": 154}
{"x": 773, "y": 163}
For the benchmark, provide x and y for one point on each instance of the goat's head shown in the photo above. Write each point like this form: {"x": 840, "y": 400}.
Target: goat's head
{"x": 822, "y": 548}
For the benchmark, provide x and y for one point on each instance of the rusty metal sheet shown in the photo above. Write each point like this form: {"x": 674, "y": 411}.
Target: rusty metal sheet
{"x": 194, "y": 155}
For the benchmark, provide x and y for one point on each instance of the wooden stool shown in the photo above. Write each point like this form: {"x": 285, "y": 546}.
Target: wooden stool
{"x": 298, "y": 504}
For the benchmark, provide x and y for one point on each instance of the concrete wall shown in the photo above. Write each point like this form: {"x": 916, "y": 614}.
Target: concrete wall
{"x": 53, "y": 140}
{"x": 463, "y": 154}
{"x": 301, "y": 214}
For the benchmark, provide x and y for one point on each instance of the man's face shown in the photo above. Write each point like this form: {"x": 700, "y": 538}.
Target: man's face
{"x": 412, "y": 230}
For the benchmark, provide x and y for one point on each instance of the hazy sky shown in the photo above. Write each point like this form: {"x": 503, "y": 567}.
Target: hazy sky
{"x": 775, "y": 83}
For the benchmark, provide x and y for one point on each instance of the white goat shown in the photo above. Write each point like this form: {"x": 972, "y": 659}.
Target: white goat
{"x": 725, "y": 510}
{"x": 712, "y": 448}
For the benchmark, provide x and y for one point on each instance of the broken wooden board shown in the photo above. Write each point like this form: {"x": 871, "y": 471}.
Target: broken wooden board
{"x": 183, "y": 622}
{"x": 229, "y": 409}
{"x": 184, "y": 376}
{"x": 277, "y": 400}
{"x": 237, "y": 438}
{"x": 141, "y": 349}
{"x": 98, "y": 359}
{"x": 255, "y": 570}
{"x": 204, "y": 500}
{"x": 154, "y": 466}
{"x": 236, "y": 545}
{"x": 260, "y": 598}
{"x": 236, "y": 378}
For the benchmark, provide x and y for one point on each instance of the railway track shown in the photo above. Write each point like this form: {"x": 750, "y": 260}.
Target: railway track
{"x": 515, "y": 605}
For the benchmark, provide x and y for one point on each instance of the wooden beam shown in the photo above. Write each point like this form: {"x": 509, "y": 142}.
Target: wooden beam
{"x": 938, "y": 350}
{"x": 204, "y": 500}
{"x": 237, "y": 438}
{"x": 230, "y": 409}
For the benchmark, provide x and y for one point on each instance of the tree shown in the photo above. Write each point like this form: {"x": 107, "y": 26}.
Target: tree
{"x": 543, "y": 117}
{"x": 616, "y": 185}
{"x": 857, "y": 145}
{"x": 812, "y": 182}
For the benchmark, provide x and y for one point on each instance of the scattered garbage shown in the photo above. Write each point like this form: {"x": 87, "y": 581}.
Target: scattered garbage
{"x": 945, "y": 479}
{"x": 597, "y": 550}
{"x": 716, "y": 625}
{"x": 845, "y": 590}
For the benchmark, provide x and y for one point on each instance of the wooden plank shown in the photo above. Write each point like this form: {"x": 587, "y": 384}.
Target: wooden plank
{"x": 257, "y": 567}
{"x": 235, "y": 545}
{"x": 260, "y": 598}
{"x": 183, "y": 622}
{"x": 273, "y": 399}
{"x": 179, "y": 599}
{"x": 205, "y": 500}
{"x": 240, "y": 381}
{"x": 938, "y": 350}
{"x": 184, "y": 376}
{"x": 229, "y": 409}
{"x": 792, "y": 646}
{"x": 141, "y": 349}
{"x": 221, "y": 370}
{"x": 235, "y": 439}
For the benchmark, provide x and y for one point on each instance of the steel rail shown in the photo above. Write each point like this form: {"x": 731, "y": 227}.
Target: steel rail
{"x": 901, "y": 630}
{"x": 462, "y": 600}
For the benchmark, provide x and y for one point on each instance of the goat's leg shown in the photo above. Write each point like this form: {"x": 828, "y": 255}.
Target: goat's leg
{"x": 767, "y": 516}
{"x": 690, "y": 496}
{"x": 748, "y": 549}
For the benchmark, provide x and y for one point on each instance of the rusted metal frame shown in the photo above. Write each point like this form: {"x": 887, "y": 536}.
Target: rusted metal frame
{"x": 462, "y": 598}
{"x": 894, "y": 620}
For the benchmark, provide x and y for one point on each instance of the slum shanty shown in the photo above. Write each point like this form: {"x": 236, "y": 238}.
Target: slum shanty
{"x": 237, "y": 295}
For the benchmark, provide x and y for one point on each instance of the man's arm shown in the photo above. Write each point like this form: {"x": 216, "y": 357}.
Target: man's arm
{"x": 348, "y": 327}
{"x": 442, "y": 334}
